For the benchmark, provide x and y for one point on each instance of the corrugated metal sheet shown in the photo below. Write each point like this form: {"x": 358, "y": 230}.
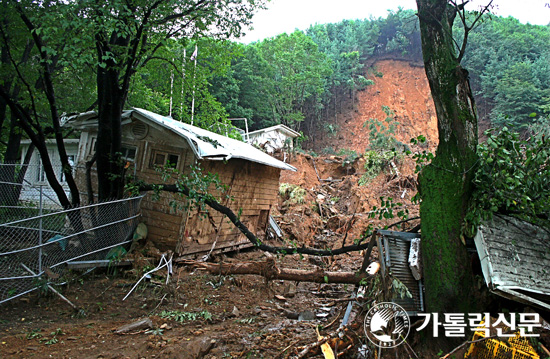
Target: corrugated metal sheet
{"x": 209, "y": 145}
{"x": 394, "y": 249}
{"x": 515, "y": 259}
{"x": 205, "y": 144}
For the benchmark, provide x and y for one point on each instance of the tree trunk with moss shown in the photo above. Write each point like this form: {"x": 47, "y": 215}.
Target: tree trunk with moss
{"x": 446, "y": 184}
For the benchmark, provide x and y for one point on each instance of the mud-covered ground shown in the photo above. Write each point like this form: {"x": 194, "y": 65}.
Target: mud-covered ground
{"x": 195, "y": 315}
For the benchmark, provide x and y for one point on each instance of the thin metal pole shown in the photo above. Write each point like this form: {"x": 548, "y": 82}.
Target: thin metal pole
{"x": 80, "y": 311}
{"x": 40, "y": 231}
{"x": 171, "y": 90}
{"x": 194, "y": 78}
{"x": 182, "y": 84}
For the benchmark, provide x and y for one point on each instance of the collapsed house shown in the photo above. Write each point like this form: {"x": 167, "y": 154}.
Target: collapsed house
{"x": 274, "y": 138}
{"x": 150, "y": 140}
{"x": 515, "y": 260}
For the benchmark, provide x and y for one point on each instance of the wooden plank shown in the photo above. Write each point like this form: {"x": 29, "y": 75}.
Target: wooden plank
{"x": 160, "y": 232}
{"x": 508, "y": 253}
{"x": 164, "y": 217}
{"x": 520, "y": 244}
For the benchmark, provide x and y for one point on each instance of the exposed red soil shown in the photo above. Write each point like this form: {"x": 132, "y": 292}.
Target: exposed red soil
{"x": 405, "y": 90}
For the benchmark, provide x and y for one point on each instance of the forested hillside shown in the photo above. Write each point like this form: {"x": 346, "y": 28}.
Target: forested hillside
{"x": 303, "y": 79}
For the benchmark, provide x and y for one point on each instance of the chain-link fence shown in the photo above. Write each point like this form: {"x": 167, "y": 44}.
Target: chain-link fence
{"x": 24, "y": 187}
{"x": 35, "y": 250}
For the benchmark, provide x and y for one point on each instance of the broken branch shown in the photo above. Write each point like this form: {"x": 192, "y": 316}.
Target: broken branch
{"x": 466, "y": 343}
{"x": 270, "y": 271}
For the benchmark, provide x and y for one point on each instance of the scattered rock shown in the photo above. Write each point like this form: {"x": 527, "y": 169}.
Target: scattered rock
{"x": 290, "y": 290}
{"x": 307, "y": 315}
{"x": 200, "y": 347}
{"x": 138, "y": 325}
{"x": 235, "y": 312}
{"x": 292, "y": 315}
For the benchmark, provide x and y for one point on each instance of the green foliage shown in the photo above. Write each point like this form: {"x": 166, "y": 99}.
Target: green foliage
{"x": 375, "y": 163}
{"x": 420, "y": 158}
{"x": 282, "y": 75}
{"x": 188, "y": 84}
{"x": 350, "y": 156}
{"x": 509, "y": 68}
{"x": 389, "y": 209}
{"x": 381, "y": 134}
{"x": 54, "y": 337}
{"x": 292, "y": 193}
{"x": 377, "y": 73}
{"x": 328, "y": 151}
{"x": 540, "y": 127}
{"x": 34, "y": 334}
{"x": 512, "y": 177}
{"x": 298, "y": 141}
{"x": 400, "y": 290}
{"x": 202, "y": 186}
{"x": 331, "y": 129}
{"x": 181, "y": 317}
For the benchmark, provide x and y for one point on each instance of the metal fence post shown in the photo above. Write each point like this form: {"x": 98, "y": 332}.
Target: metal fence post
{"x": 40, "y": 231}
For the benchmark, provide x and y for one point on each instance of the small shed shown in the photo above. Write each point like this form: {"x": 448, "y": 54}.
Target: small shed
{"x": 150, "y": 140}
{"x": 274, "y": 138}
{"x": 515, "y": 259}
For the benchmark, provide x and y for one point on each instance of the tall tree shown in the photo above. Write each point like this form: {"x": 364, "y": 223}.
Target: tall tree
{"x": 127, "y": 35}
{"x": 31, "y": 62}
{"x": 446, "y": 184}
{"x": 290, "y": 73}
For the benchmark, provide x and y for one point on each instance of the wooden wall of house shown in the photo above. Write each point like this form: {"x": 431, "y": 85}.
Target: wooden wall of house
{"x": 164, "y": 216}
{"x": 253, "y": 187}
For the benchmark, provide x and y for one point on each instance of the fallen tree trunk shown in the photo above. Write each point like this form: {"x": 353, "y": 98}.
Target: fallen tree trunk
{"x": 270, "y": 271}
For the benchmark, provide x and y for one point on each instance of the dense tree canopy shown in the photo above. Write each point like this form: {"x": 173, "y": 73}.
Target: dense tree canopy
{"x": 507, "y": 61}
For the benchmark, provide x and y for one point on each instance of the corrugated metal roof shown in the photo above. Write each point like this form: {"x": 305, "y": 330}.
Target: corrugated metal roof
{"x": 205, "y": 144}
{"x": 515, "y": 259}
{"x": 209, "y": 145}
{"x": 394, "y": 250}
{"x": 280, "y": 128}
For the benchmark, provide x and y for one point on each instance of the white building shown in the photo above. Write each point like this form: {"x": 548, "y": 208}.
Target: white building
{"x": 274, "y": 138}
{"x": 35, "y": 178}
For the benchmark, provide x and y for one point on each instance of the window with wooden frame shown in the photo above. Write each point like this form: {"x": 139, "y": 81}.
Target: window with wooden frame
{"x": 128, "y": 153}
{"x": 162, "y": 158}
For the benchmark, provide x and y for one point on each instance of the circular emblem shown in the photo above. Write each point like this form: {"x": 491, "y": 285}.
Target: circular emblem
{"x": 387, "y": 325}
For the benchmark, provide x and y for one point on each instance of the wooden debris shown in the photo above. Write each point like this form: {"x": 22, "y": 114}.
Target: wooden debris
{"x": 414, "y": 259}
{"x": 138, "y": 325}
{"x": 325, "y": 347}
{"x": 270, "y": 271}
{"x": 544, "y": 349}
{"x": 320, "y": 342}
